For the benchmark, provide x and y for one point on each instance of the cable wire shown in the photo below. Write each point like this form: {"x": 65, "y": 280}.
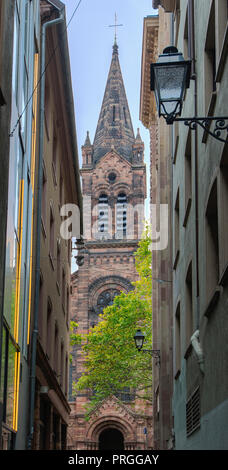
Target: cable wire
{"x": 44, "y": 71}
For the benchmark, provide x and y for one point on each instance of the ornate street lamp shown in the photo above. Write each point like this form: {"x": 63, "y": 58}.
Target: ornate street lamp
{"x": 139, "y": 340}
{"x": 170, "y": 77}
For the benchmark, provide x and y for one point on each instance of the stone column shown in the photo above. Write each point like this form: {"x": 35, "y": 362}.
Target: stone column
{"x": 49, "y": 437}
{"x": 59, "y": 434}
{"x": 36, "y": 438}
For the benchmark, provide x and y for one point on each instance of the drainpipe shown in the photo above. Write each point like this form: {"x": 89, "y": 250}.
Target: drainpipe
{"x": 191, "y": 25}
{"x": 198, "y": 349}
{"x": 38, "y": 222}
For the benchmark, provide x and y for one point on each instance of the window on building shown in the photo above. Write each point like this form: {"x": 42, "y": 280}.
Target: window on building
{"x": 188, "y": 170}
{"x": 68, "y": 305}
{"x": 113, "y": 113}
{"x": 186, "y": 36}
{"x": 51, "y": 233}
{"x": 49, "y": 329}
{"x": 210, "y": 59}
{"x": 25, "y": 78}
{"x": 62, "y": 365}
{"x": 188, "y": 305}
{"x": 44, "y": 199}
{"x": 58, "y": 261}
{"x": 54, "y": 157}
{"x": 177, "y": 339}
{"x": 103, "y": 213}
{"x": 63, "y": 289}
{"x": 221, "y": 24}
{"x": 126, "y": 395}
{"x": 121, "y": 215}
{"x": 223, "y": 206}
{"x": 69, "y": 251}
{"x": 212, "y": 244}
{"x": 105, "y": 299}
{"x": 61, "y": 190}
{"x": 47, "y": 107}
{"x": 125, "y": 115}
{"x": 41, "y": 299}
{"x": 66, "y": 376}
{"x": 9, "y": 380}
{"x": 193, "y": 414}
{"x": 177, "y": 229}
{"x": 12, "y": 385}
{"x": 16, "y": 51}
{"x": 56, "y": 355}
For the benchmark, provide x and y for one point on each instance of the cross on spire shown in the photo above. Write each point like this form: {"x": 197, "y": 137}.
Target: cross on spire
{"x": 115, "y": 26}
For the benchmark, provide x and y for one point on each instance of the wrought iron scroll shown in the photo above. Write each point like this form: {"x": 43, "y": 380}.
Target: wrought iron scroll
{"x": 221, "y": 126}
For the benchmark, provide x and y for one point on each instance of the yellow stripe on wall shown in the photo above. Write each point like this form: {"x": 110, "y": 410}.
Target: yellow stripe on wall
{"x": 19, "y": 252}
{"x": 16, "y": 390}
{"x": 33, "y": 160}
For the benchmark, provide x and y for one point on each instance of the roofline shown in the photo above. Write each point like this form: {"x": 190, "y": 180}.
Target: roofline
{"x": 66, "y": 76}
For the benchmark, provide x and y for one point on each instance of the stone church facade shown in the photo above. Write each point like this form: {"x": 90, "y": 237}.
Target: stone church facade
{"x": 114, "y": 189}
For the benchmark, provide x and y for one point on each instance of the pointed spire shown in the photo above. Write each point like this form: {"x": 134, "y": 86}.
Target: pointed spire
{"x": 138, "y": 136}
{"x": 87, "y": 141}
{"x": 114, "y": 125}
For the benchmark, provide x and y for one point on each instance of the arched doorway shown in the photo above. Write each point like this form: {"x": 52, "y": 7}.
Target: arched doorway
{"x": 111, "y": 439}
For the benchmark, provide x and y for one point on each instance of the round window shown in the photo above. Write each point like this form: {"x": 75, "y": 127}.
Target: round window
{"x": 112, "y": 177}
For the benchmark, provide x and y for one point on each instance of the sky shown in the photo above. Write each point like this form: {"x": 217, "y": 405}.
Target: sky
{"x": 90, "y": 46}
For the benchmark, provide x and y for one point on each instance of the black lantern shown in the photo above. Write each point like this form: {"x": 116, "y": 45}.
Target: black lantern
{"x": 170, "y": 76}
{"x": 139, "y": 339}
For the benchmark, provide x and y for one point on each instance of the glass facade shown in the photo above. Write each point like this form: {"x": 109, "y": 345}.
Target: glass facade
{"x": 20, "y": 206}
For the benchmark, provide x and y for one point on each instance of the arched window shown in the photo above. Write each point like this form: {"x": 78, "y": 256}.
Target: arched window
{"x": 103, "y": 213}
{"x": 105, "y": 299}
{"x": 121, "y": 215}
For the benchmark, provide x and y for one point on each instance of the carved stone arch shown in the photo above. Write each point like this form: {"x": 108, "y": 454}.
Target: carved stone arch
{"x": 101, "y": 188}
{"x": 121, "y": 188}
{"x": 106, "y": 280}
{"x": 110, "y": 421}
{"x": 111, "y": 284}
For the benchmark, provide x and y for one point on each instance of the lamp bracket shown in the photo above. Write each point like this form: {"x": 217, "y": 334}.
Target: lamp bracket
{"x": 153, "y": 352}
{"x": 221, "y": 125}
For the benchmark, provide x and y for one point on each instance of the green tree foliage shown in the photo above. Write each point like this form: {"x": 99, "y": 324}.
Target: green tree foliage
{"x": 112, "y": 362}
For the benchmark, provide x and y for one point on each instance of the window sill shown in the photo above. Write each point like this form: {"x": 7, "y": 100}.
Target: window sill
{"x": 58, "y": 288}
{"x": 176, "y": 260}
{"x": 210, "y": 113}
{"x": 224, "y": 277}
{"x": 188, "y": 351}
{"x": 177, "y": 375}
{"x": 43, "y": 228}
{"x": 187, "y": 212}
{"x": 213, "y": 301}
{"x": 54, "y": 174}
{"x": 176, "y": 148}
{"x": 51, "y": 261}
{"x": 222, "y": 58}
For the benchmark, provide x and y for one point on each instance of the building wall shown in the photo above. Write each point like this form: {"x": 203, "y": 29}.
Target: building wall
{"x": 155, "y": 37}
{"x": 59, "y": 187}
{"x": 199, "y": 228}
{"x": 112, "y": 167}
{"x": 6, "y": 41}
{"x": 108, "y": 266}
{"x": 19, "y": 216}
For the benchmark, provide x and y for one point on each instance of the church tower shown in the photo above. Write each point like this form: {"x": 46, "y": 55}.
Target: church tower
{"x": 114, "y": 189}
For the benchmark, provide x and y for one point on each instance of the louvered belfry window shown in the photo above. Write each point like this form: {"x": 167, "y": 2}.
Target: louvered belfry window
{"x": 103, "y": 213}
{"x": 193, "y": 412}
{"x": 121, "y": 214}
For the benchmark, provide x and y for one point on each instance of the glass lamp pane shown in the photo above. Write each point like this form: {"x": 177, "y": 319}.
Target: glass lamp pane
{"x": 170, "y": 107}
{"x": 170, "y": 81}
{"x": 139, "y": 339}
